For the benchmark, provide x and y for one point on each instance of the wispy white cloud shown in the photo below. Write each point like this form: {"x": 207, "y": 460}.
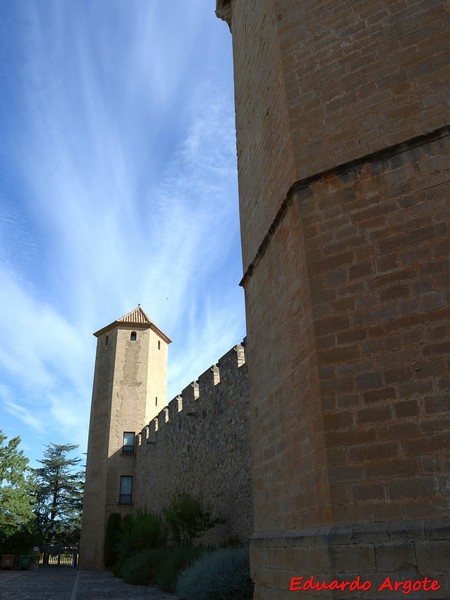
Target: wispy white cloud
{"x": 20, "y": 412}
{"x": 127, "y": 155}
{"x": 43, "y": 362}
{"x": 24, "y": 415}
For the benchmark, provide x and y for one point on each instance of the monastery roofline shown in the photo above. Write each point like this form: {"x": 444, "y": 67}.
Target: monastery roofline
{"x": 135, "y": 319}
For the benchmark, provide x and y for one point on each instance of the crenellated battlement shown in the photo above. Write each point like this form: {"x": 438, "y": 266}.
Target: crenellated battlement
{"x": 200, "y": 442}
{"x": 195, "y": 397}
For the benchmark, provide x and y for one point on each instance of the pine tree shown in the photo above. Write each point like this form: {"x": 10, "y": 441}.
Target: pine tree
{"x": 15, "y": 506}
{"x": 59, "y": 495}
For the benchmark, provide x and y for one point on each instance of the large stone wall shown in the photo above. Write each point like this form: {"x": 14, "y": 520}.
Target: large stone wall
{"x": 377, "y": 246}
{"x": 200, "y": 443}
{"x": 342, "y": 133}
{"x": 320, "y": 83}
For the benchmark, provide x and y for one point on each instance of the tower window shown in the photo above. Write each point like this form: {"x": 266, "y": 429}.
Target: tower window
{"x": 126, "y": 488}
{"x": 106, "y": 340}
{"x": 133, "y": 336}
{"x": 159, "y": 345}
{"x": 128, "y": 442}
{"x": 156, "y": 400}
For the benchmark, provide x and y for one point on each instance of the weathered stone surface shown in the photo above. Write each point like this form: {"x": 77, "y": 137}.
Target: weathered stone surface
{"x": 203, "y": 448}
{"x": 198, "y": 443}
{"x": 343, "y": 129}
{"x": 130, "y": 379}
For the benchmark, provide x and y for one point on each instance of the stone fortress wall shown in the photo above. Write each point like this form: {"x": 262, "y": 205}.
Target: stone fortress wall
{"x": 200, "y": 443}
{"x": 342, "y": 125}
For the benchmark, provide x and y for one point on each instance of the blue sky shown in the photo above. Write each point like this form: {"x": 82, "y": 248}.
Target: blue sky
{"x": 118, "y": 186}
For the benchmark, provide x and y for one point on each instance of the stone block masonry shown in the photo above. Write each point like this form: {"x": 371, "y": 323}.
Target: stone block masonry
{"x": 369, "y": 451}
{"x": 342, "y": 123}
{"x": 377, "y": 247}
{"x": 200, "y": 443}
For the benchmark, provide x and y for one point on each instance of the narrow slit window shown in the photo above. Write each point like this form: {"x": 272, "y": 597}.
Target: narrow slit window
{"x": 106, "y": 340}
{"x": 128, "y": 442}
{"x": 133, "y": 336}
{"x": 159, "y": 345}
{"x": 156, "y": 400}
{"x": 126, "y": 490}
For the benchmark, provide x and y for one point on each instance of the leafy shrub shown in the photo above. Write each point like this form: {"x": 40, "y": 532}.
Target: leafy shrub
{"x": 187, "y": 517}
{"x": 221, "y": 575}
{"x": 232, "y": 542}
{"x": 140, "y": 531}
{"x": 118, "y": 566}
{"x": 176, "y": 561}
{"x": 112, "y": 536}
{"x": 141, "y": 568}
{"x": 159, "y": 566}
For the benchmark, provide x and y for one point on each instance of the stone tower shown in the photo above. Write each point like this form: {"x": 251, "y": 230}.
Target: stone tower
{"x": 342, "y": 123}
{"x": 130, "y": 381}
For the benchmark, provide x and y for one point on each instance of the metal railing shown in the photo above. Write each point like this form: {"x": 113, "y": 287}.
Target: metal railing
{"x": 59, "y": 555}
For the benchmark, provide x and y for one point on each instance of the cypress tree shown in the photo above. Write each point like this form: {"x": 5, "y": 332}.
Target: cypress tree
{"x": 112, "y": 533}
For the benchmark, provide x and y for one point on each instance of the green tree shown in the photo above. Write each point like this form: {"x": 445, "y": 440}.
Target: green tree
{"x": 188, "y": 517}
{"x": 15, "y": 505}
{"x": 59, "y": 495}
{"x": 112, "y": 535}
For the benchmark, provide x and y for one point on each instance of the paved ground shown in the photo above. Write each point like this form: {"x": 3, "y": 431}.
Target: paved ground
{"x": 38, "y": 584}
{"x": 69, "y": 584}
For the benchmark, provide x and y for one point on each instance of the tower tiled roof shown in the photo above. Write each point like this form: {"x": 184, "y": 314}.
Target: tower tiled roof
{"x": 136, "y": 317}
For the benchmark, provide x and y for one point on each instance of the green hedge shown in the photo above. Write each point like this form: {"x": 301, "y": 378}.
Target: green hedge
{"x": 140, "y": 531}
{"x": 141, "y": 568}
{"x": 158, "y": 566}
